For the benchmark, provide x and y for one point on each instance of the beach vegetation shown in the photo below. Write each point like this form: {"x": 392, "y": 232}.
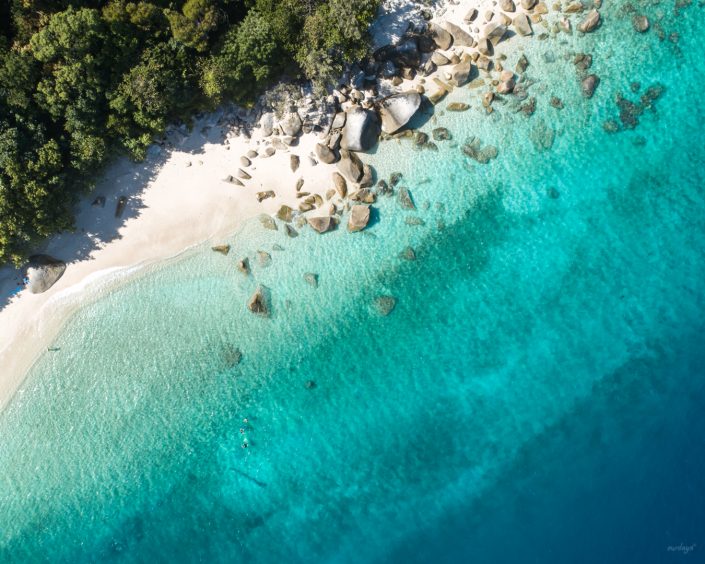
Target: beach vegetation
{"x": 83, "y": 81}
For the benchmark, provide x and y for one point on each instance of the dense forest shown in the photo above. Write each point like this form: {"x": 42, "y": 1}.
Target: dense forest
{"x": 83, "y": 80}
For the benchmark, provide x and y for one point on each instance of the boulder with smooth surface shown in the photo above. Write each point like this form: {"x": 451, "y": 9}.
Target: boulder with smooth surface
{"x": 398, "y": 109}
{"x": 42, "y": 272}
{"x": 461, "y": 38}
{"x": 350, "y": 166}
{"x": 359, "y": 217}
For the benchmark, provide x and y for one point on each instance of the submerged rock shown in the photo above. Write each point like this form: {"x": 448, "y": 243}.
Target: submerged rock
{"x": 589, "y": 84}
{"x": 408, "y": 254}
{"x": 457, "y": 107}
{"x": 232, "y": 356}
{"x": 259, "y": 302}
{"x": 43, "y": 271}
{"x": 311, "y": 279}
{"x": 264, "y": 259}
{"x": 290, "y": 231}
{"x": 441, "y": 134}
{"x": 268, "y": 222}
{"x": 590, "y": 23}
{"x": 640, "y": 23}
{"x": 385, "y": 304}
{"x": 404, "y": 199}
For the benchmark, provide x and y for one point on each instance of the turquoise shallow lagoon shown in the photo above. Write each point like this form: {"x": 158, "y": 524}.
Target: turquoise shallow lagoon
{"x": 535, "y": 396}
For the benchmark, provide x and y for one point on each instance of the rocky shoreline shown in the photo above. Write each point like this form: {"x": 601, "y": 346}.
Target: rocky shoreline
{"x": 436, "y": 51}
{"x": 379, "y": 99}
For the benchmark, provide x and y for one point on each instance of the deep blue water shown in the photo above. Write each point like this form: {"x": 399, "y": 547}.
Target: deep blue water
{"x": 535, "y": 396}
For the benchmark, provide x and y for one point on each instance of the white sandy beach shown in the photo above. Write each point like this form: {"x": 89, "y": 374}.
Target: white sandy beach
{"x": 174, "y": 205}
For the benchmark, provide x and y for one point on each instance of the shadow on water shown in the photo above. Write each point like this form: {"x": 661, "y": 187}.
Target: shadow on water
{"x": 250, "y": 478}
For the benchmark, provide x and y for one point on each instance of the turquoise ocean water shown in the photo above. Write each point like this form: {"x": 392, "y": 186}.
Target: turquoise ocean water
{"x": 536, "y": 395}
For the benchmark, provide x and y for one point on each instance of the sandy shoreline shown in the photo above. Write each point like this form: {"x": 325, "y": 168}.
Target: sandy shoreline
{"x": 179, "y": 198}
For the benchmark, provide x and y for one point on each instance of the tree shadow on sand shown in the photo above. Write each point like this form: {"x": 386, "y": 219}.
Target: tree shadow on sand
{"x": 96, "y": 220}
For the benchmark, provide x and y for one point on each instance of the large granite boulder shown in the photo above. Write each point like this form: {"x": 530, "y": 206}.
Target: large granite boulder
{"x": 494, "y": 32}
{"x": 440, "y": 36}
{"x": 266, "y": 124}
{"x": 359, "y": 217}
{"x": 641, "y": 23}
{"x": 42, "y": 273}
{"x": 398, "y": 109}
{"x": 291, "y": 124}
{"x": 591, "y": 21}
{"x": 350, "y": 166}
{"x": 461, "y": 38}
{"x": 406, "y": 54}
{"x": 360, "y": 131}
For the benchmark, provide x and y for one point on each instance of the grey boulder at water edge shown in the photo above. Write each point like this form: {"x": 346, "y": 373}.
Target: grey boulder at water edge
{"x": 43, "y": 271}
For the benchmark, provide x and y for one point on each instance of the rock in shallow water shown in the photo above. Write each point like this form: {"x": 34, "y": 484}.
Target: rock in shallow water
{"x": 385, "y": 304}
{"x": 259, "y": 302}
{"x": 404, "y": 199}
{"x": 320, "y": 224}
{"x": 359, "y": 217}
{"x": 589, "y": 84}
{"x": 590, "y": 23}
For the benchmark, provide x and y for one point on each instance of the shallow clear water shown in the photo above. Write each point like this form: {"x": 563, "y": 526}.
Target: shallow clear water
{"x": 536, "y": 395}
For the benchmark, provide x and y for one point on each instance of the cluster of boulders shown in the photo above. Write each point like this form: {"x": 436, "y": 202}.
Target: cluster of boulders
{"x": 629, "y": 111}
